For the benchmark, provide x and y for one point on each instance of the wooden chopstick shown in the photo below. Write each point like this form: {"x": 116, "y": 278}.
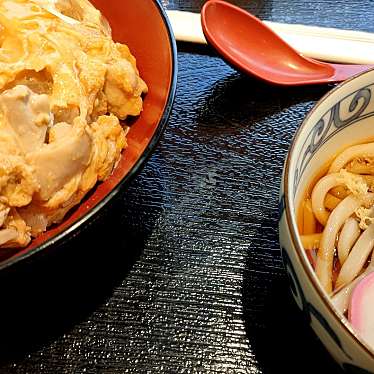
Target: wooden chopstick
{"x": 328, "y": 44}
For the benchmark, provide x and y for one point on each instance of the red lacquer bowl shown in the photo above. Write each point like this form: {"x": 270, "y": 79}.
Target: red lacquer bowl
{"x": 144, "y": 27}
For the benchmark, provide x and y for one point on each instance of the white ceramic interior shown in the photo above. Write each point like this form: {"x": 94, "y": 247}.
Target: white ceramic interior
{"x": 344, "y": 117}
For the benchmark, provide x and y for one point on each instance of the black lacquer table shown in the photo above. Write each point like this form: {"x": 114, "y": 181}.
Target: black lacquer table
{"x": 183, "y": 274}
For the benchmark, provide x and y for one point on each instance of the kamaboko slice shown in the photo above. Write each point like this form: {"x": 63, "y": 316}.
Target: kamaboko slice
{"x": 361, "y": 309}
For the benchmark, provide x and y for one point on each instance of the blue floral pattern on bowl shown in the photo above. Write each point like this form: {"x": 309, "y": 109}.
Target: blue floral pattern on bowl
{"x": 331, "y": 123}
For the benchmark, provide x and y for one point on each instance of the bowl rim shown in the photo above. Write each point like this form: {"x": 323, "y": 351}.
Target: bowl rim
{"x": 69, "y": 231}
{"x": 293, "y": 231}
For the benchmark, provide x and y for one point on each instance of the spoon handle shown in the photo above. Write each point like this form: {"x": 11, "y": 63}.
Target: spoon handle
{"x": 322, "y": 43}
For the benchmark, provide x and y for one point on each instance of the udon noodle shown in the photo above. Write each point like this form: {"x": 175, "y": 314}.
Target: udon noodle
{"x": 336, "y": 223}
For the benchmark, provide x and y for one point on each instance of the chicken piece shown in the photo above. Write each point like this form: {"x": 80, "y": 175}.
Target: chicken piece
{"x": 24, "y": 120}
{"x": 8, "y": 235}
{"x": 66, "y": 156}
{"x": 123, "y": 89}
{"x": 27, "y": 115}
{"x": 108, "y": 140}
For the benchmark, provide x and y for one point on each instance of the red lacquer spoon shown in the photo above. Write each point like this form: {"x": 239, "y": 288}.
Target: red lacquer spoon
{"x": 249, "y": 45}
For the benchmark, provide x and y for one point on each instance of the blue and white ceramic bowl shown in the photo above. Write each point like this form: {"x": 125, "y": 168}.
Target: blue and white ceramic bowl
{"x": 345, "y": 116}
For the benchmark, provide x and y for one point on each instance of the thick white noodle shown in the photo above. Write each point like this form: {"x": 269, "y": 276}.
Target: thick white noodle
{"x": 357, "y": 258}
{"x": 347, "y": 238}
{"x": 325, "y": 256}
{"x": 319, "y": 193}
{"x": 361, "y": 150}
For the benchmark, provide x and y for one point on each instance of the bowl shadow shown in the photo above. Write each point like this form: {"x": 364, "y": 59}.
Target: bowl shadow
{"x": 279, "y": 335}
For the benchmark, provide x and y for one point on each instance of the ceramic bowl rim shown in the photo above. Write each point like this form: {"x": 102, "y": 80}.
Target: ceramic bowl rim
{"x": 90, "y": 215}
{"x": 292, "y": 229}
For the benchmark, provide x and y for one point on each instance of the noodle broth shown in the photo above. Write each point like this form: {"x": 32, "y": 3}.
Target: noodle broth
{"x": 335, "y": 212}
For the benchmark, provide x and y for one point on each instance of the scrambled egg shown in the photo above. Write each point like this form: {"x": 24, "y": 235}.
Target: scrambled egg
{"x": 64, "y": 86}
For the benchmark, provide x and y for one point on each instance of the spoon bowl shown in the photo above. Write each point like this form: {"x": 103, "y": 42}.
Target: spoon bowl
{"x": 246, "y": 43}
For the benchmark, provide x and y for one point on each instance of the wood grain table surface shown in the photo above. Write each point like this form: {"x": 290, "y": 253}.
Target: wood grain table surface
{"x": 184, "y": 273}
